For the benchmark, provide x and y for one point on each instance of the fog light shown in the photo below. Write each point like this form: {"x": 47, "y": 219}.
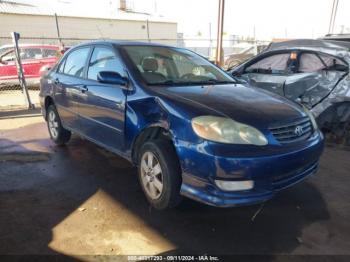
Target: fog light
{"x": 234, "y": 185}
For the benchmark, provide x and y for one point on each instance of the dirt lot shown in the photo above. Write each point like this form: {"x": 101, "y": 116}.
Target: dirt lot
{"x": 79, "y": 200}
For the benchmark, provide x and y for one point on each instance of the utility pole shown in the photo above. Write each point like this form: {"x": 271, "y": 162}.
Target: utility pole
{"x": 219, "y": 54}
{"x": 147, "y": 25}
{"x": 333, "y": 16}
{"x": 58, "y": 31}
{"x": 210, "y": 43}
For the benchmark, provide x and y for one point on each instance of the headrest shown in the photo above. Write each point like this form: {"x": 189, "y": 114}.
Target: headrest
{"x": 149, "y": 64}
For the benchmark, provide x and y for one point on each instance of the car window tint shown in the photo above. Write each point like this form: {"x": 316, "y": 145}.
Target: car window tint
{"x": 50, "y": 53}
{"x": 104, "y": 59}
{"x": 275, "y": 63}
{"x": 75, "y": 62}
{"x": 30, "y": 53}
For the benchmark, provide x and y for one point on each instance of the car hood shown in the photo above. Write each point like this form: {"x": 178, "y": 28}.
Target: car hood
{"x": 245, "y": 104}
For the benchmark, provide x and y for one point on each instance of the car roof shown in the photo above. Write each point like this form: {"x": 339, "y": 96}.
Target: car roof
{"x": 341, "y": 37}
{"x": 121, "y": 43}
{"x": 311, "y": 44}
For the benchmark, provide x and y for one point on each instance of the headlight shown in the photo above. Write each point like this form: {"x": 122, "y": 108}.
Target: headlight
{"x": 312, "y": 118}
{"x": 225, "y": 130}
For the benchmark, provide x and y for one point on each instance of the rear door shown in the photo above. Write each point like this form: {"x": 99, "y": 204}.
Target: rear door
{"x": 102, "y": 106}
{"x": 69, "y": 84}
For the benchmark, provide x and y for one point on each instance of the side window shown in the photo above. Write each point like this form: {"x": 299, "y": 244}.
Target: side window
{"x": 271, "y": 64}
{"x": 9, "y": 56}
{"x": 30, "y": 53}
{"x": 333, "y": 63}
{"x": 75, "y": 62}
{"x": 61, "y": 66}
{"x": 310, "y": 62}
{"x": 50, "y": 53}
{"x": 104, "y": 59}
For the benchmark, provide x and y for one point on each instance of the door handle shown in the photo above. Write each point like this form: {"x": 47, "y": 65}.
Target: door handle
{"x": 119, "y": 104}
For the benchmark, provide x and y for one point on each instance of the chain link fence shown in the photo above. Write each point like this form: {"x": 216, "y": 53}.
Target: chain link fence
{"x": 38, "y": 54}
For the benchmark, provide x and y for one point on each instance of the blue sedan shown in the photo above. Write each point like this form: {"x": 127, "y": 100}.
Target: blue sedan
{"x": 189, "y": 127}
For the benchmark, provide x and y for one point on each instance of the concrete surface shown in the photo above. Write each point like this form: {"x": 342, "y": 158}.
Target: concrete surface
{"x": 79, "y": 199}
{"x": 15, "y": 99}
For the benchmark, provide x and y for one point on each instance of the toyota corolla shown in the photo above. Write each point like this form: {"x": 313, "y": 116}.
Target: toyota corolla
{"x": 188, "y": 126}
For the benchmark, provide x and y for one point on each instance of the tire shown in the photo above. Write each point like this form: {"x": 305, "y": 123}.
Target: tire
{"x": 163, "y": 154}
{"x": 58, "y": 134}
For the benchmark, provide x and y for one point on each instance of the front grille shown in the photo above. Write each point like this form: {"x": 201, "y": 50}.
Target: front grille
{"x": 288, "y": 133}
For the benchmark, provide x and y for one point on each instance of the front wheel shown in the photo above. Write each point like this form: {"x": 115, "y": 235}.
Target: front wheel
{"x": 58, "y": 134}
{"x": 160, "y": 174}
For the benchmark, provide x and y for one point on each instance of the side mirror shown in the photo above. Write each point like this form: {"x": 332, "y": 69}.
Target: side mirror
{"x": 109, "y": 77}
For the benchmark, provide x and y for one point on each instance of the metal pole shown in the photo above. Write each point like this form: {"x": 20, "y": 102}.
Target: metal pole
{"x": 22, "y": 81}
{"x": 335, "y": 15}
{"x": 330, "y": 20}
{"x": 147, "y": 24}
{"x": 210, "y": 43}
{"x": 58, "y": 31}
{"x": 220, "y": 32}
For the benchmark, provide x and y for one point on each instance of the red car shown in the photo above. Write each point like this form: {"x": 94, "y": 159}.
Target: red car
{"x": 36, "y": 59}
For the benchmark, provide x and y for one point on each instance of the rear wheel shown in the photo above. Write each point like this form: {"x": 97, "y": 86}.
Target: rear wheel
{"x": 159, "y": 174}
{"x": 58, "y": 134}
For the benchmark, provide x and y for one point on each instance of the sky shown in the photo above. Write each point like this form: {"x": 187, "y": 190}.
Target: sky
{"x": 266, "y": 19}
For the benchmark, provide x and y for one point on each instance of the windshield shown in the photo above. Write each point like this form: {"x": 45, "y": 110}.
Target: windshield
{"x": 174, "y": 66}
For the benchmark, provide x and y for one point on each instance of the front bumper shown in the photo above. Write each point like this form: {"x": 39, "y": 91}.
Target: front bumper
{"x": 271, "y": 170}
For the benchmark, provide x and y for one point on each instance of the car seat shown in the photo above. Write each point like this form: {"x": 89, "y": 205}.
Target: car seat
{"x": 150, "y": 67}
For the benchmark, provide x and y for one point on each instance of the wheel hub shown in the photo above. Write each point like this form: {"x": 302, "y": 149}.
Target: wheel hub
{"x": 151, "y": 175}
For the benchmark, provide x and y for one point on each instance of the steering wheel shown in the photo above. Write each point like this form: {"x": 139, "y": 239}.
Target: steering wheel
{"x": 188, "y": 76}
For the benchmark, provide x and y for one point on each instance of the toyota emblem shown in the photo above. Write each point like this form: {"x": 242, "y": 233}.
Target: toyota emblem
{"x": 299, "y": 130}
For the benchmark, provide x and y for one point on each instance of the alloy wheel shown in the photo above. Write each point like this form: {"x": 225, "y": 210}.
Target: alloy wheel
{"x": 151, "y": 175}
{"x": 53, "y": 124}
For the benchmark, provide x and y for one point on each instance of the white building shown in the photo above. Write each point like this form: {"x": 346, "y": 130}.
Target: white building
{"x": 35, "y": 21}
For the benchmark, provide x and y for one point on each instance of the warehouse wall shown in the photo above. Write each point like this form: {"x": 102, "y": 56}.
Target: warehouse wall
{"x": 84, "y": 28}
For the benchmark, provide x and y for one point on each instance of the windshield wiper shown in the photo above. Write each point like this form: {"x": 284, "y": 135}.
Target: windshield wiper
{"x": 214, "y": 81}
{"x": 188, "y": 83}
{"x": 170, "y": 83}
